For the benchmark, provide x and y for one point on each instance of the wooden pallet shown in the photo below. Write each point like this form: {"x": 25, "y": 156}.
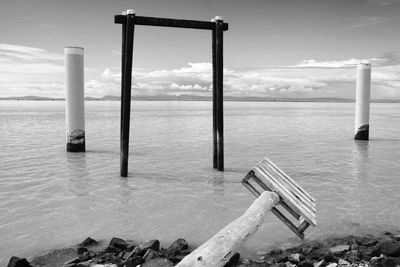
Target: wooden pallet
{"x": 297, "y": 207}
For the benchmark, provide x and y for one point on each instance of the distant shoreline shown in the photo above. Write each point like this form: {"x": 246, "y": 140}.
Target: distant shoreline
{"x": 191, "y": 98}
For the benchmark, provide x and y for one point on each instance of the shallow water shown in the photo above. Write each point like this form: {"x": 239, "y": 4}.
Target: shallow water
{"x": 50, "y": 198}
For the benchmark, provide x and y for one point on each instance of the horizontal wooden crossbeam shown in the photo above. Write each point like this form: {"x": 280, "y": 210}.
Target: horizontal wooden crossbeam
{"x": 165, "y": 22}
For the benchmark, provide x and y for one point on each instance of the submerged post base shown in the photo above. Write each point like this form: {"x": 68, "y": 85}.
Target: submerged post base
{"x": 75, "y": 147}
{"x": 362, "y": 133}
{"x": 76, "y": 141}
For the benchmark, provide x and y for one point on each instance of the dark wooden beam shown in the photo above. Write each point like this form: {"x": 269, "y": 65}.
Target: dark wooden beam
{"x": 122, "y": 78}
{"x": 126, "y": 83}
{"x": 165, "y": 22}
{"x": 214, "y": 101}
{"x": 219, "y": 76}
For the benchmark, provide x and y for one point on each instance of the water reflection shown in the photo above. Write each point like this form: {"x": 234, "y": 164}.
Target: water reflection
{"x": 219, "y": 205}
{"x": 358, "y": 165}
{"x": 78, "y": 174}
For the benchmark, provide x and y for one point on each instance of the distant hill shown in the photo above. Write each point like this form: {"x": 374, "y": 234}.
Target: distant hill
{"x": 202, "y": 98}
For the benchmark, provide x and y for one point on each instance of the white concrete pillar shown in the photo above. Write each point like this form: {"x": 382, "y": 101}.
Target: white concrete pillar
{"x": 75, "y": 102}
{"x": 363, "y": 92}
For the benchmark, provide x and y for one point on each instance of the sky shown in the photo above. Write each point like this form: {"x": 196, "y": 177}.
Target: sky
{"x": 273, "y": 48}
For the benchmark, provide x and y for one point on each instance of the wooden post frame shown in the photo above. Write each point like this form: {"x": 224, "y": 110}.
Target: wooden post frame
{"x": 128, "y": 20}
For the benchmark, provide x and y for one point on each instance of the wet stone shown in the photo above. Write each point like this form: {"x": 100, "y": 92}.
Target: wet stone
{"x": 118, "y": 243}
{"x": 321, "y": 263}
{"x": 18, "y": 262}
{"x": 339, "y": 249}
{"x": 133, "y": 262}
{"x": 353, "y": 256}
{"x": 305, "y": 263}
{"x": 331, "y": 258}
{"x": 389, "y": 248}
{"x": 150, "y": 254}
{"x": 88, "y": 242}
{"x": 158, "y": 262}
{"x": 153, "y": 244}
{"x": 81, "y": 250}
{"x": 177, "y": 246}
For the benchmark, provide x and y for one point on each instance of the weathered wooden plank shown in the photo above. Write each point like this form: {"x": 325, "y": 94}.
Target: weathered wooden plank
{"x": 167, "y": 22}
{"x": 285, "y": 179}
{"x": 290, "y": 180}
{"x": 283, "y": 204}
{"x": 301, "y": 197}
{"x": 287, "y": 222}
{"x": 222, "y": 246}
{"x": 288, "y": 196}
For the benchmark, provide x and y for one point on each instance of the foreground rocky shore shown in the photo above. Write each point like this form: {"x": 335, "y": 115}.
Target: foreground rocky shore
{"x": 348, "y": 251}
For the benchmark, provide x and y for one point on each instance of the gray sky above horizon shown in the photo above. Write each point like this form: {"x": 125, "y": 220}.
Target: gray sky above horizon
{"x": 287, "y": 48}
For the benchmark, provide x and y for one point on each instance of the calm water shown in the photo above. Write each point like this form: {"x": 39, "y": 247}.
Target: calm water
{"x": 51, "y": 199}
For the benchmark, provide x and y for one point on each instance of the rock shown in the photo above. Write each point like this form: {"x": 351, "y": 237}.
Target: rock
{"x": 111, "y": 249}
{"x": 339, "y": 249}
{"x": 73, "y": 261}
{"x": 84, "y": 264}
{"x": 374, "y": 261}
{"x": 396, "y": 237}
{"x": 318, "y": 254}
{"x": 353, "y": 256}
{"x": 18, "y": 262}
{"x": 321, "y": 263}
{"x": 158, "y": 262}
{"x": 332, "y": 265}
{"x": 153, "y": 244}
{"x": 234, "y": 261}
{"x": 388, "y": 262}
{"x": 104, "y": 265}
{"x": 295, "y": 258}
{"x": 54, "y": 258}
{"x": 88, "y": 242}
{"x": 289, "y": 264}
{"x": 85, "y": 256}
{"x": 305, "y": 263}
{"x": 136, "y": 252}
{"x": 150, "y": 254}
{"x": 343, "y": 263}
{"x": 331, "y": 258}
{"x": 282, "y": 258}
{"x": 81, "y": 250}
{"x": 118, "y": 243}
{"x": 275, "y": 252}
{"x": 177, "y": 247}
{"x": 389, "y": 248}
{"x": 133, "y": 262}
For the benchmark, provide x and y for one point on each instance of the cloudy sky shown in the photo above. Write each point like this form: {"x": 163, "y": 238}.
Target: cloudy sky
{"x": 274, "y": 48}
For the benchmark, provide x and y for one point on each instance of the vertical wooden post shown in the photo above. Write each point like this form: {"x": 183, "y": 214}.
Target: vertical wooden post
{"x": 219, "y": 92}
{"x": 363, "y": 91}
{"x": 75, "y": 103}
{"x": 126, "y": 83}
{"x": 122, "y": 74}
{"x": 214, "y": 97}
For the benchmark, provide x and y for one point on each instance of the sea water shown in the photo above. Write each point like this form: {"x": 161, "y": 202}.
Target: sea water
{"x": 52, "y": 199}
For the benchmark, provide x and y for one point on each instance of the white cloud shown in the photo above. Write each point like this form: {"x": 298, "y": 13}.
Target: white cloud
{"x": 366, "y": 21}
{"x": 30, "y": 71}
{"x": 309, "y": 78}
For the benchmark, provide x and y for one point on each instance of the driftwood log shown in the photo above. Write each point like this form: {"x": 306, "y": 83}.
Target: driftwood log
{"x": 222, "y": 246}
